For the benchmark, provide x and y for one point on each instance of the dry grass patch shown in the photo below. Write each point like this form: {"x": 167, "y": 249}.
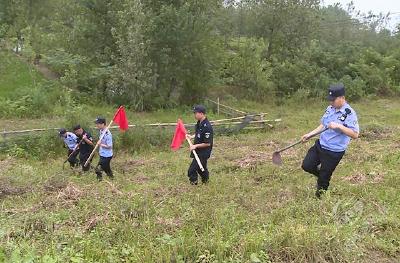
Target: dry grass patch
{"x": 7, "y": 188}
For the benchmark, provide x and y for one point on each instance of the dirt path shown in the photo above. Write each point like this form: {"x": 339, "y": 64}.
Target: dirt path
{"x": 41, "y": 67}
{"x": 46, "y": 72}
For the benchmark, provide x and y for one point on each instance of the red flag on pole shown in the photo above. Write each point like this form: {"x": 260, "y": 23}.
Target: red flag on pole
{"x": 120, "y": 119}
{"x": 179, "y": 136}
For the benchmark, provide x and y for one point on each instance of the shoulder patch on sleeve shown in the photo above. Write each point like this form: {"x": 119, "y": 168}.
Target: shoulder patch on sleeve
{"x": 327, "y": 111}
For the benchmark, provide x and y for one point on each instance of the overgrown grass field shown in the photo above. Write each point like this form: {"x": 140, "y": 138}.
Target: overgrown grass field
{"x": 251, "y": 211}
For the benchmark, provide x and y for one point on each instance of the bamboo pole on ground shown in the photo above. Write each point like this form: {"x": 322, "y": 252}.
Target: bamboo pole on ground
{"x": 225, "y": 106}
{"x": 215, "y": 122}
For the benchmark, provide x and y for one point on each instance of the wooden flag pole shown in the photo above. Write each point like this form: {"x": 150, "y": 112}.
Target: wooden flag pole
{"x": 195, "y": 155}
{"x": 101, "y": 138}
{"x": 98, "y": 143}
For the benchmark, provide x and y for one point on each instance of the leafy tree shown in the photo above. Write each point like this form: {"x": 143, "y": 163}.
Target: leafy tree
{"x": 287, "y": 26}
{"x": 162, "y": 53}
{"x": 168, "y": 52}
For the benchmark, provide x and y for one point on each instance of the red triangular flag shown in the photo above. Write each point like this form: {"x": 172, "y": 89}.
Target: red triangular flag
{"x": 179, "y": 136}
{"x": 120, "y": 119}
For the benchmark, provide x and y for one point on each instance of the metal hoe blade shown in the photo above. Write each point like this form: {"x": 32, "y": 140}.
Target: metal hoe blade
{"x": 276, "y": 158}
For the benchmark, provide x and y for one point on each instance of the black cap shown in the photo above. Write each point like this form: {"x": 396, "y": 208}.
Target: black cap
{"x": 335, "y": 91}
{"x": 100, "y": 120}
{"x": 199, "y": 109}
{"x": 77, "y": 127}
{"x": 62, "y": 131}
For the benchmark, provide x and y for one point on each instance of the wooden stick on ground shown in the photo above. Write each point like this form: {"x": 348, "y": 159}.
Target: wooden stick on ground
{"x": 225, "y": 106}
{"x": 238, "y": 118}
{"x": 214, "y": 122}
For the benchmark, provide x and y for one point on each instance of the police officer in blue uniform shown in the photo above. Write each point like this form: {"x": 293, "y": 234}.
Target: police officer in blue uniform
{"x": 105, "y": 150}
{"x": 203, "y": 143}
{"x": 85, "y": 142}
{"x": 342, "y": 123}
{"x": 71, "y": 142}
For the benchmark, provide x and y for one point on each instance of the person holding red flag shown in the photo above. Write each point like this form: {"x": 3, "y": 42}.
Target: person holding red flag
{"x": 105, "y": 150}
{"x": 203, "y": 143}
{"x": 179, "y": 136}
{"x": 105, "y": 142}
{"x": 202, "y": 147}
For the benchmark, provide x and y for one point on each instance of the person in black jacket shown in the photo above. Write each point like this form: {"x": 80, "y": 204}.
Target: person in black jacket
{"x": 85, "y": 142}
{"x": 203, "y": 143}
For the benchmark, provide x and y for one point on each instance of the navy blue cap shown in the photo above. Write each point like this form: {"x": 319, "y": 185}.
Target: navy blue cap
{"x": 199, "y": 109}
{"x": 100, "y": 120}
{"x": 336, "y": 90}
{"x": 62, "y": 131}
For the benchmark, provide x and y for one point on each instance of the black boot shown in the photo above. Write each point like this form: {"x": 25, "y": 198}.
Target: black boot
{"x": 110, "y": 175}
{"x": 193, "y": 183}
{"x": 320, "y": 191}
{"x": 99, "y": 175}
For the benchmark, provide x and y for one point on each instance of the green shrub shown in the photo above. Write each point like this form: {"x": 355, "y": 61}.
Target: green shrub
{"x": 142, "y": 139}
{"x": 34, "y": 146}
{"x": 246, "y": 69}
{"x": 33, "y": 102}
{"x": 304, "y": 72}
{"x": 60, "y": 60}
{"x": 355, "y": 88}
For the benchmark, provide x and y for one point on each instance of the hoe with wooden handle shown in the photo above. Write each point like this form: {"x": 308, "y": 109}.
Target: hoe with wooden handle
{"x": 276, "y": 156}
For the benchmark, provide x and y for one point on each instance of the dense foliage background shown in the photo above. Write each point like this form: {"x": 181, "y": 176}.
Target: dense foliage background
{"x": 162, "y": 53}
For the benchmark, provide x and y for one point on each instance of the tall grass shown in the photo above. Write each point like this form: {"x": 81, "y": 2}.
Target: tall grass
{"x": 259, "y": 213}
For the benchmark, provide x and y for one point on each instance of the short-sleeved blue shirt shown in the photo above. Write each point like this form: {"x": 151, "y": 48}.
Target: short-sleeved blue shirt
{"x": 107, "y": 140}
{"x": 71, "y": 140}
{"x": 335, "y": 140}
